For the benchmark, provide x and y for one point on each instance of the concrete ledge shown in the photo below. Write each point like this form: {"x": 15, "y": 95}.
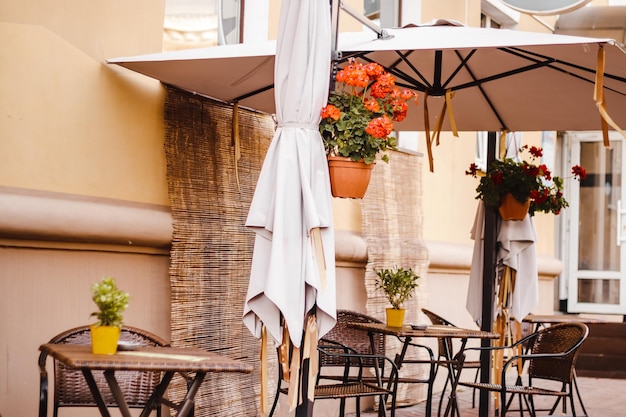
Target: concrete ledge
{"x": 350, "y": 249}
{"x": 456, "y": 258}
{"x": 32, "y": 215}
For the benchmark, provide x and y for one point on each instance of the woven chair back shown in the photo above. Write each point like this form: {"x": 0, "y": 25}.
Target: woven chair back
{"x": 355, "y": 339}
{"x": 437, "y": 320}
{"x": 557, "y": 338}
{"x": 70, "y": 389}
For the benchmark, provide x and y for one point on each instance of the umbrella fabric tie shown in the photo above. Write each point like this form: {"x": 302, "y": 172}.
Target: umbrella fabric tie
{"x": 310, "y": 352}
{"x": 447, "y": 108}
{"x": 298, "y": 126}
{"x": 235, "y": 141}
{"x": 598, "y": 96}
{"x": 316, "y": 237}
{"x": 429, "y": 143}
{"x": 264, "y": 376}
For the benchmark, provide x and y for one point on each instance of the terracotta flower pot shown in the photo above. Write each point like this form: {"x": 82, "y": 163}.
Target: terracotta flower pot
{"x": 511, "y": 209}
{"x": 348, "y": 179}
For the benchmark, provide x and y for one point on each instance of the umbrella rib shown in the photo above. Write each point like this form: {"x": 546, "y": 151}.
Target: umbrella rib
{"x": 480, "y": 88}
{"x": 461, "y": 65}
{"x": 403, "y": 58}
{"x": 529, "y": 55}
{"x": 411, "y": 82}
{"x": 520, "y": 70}
{"x": 252, "y": 93}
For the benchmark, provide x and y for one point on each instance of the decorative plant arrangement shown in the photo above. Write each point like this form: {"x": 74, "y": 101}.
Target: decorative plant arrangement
{"x": 358, "y": 119}
{"x": 526, "y": 181}
{"x": 111, "y": 303}
{"x": 398, "y": 284}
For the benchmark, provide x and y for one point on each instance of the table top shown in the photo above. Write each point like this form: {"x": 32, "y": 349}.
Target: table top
{"x": 429, "y": 331}
{"x": 558, "y": 318}
{"x": 145, "y": 359}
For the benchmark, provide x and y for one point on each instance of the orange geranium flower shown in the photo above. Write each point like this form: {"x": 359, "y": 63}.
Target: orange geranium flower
{"x": 358, "y": 120}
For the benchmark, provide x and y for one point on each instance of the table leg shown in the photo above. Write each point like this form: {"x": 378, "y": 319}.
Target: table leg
{"x": 452, "y": 406}
{"x": 95, "y": 392}
{"x": 157, "y": 396}
{"x": 188, "y": 401}
{"x": 117, "y": 393}
{"x": 382, "y": 409}
{"x": 399, "y": 360}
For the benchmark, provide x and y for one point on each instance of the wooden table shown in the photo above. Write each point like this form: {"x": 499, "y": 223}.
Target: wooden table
{"x": 540, "y": 320}
{"x": 406, "y": 334}
{"x": 167, "y": 360}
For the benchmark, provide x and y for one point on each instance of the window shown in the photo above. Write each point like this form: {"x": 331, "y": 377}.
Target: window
{"x": 201, "y": 23}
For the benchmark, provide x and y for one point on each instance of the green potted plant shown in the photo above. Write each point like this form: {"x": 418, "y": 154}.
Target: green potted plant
{"x": 524, "y": 183}
{"x": 398, "y": 284}
{"x": 111, "y": 302}
{"x": 358, "y": 120}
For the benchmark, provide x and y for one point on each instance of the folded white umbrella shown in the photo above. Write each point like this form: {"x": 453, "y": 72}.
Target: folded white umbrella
{"x": 293, "y": 265}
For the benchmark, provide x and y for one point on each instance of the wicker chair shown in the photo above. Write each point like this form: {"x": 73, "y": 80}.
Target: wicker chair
{"x": 551, "y": 357}
{"x": 70, "y": 389}
{"x": 357, "y": 342}
{"x": 348, "y": 350}
{"x": 441, "y": 356}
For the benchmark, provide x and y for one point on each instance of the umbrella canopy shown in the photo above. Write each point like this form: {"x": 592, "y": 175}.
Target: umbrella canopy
{"x": 500, "y": 79}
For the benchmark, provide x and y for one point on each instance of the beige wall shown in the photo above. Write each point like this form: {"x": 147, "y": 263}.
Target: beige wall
{"x": 71, "y": 122}
{"x": 81, "y": 156}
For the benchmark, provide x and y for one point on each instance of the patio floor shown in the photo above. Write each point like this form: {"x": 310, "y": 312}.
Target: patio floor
{"x": 603, "y": 398}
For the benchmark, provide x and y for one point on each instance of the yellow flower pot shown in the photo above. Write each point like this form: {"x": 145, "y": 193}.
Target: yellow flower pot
{"x": 104, "y": 339}
{"x": 395, "y": 317}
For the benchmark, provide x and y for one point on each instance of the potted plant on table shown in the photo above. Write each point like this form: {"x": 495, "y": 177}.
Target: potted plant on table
{"x": 358, "y": 120}
{"x": 524, "y": 186}
{"x": 398, "y": 284}
{"x": 111, "y": 302}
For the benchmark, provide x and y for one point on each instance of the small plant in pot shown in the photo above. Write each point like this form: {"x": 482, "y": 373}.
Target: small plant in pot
{"x": 398, "y": 284}
{"x": 111, "y": 302}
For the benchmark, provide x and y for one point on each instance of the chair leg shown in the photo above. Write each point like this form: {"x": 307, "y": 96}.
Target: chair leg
{"x": 580, "y": 400}
{"x": 443, "y": 393}
{"x": 474, "y": 389}
{"x": 275, "y": 399}
{"x": 342, "y": 408}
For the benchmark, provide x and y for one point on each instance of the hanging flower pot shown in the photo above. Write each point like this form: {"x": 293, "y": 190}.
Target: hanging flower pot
{"x": 348, "y": 179}
{"x": 511, "y": 209}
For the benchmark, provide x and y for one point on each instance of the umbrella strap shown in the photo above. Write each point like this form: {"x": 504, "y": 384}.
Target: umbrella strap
{"x": 429, "y": 143}
{"x": 264, "y": 376}
{"x": 235, "y": 141}
{"x": 447, "y": 107}
{"x": 294, "y": 379}
{"x": 598, "y": 96}
{"x": 316, "y": 237}
{"x": 310, "y": 352}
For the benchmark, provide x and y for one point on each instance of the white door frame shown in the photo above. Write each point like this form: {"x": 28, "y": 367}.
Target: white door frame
{"x": 570, "y": 233}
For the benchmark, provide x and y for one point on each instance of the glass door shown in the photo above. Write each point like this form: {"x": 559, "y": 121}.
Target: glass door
{"x": 595, "y": 227}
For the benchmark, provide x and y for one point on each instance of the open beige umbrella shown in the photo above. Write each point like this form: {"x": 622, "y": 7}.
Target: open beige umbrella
{"x": 501, "y": 79}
